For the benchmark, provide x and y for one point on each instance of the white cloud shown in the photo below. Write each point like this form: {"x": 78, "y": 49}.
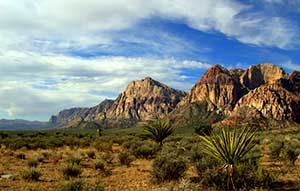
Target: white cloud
{"x": 290, "y": 65}
{"x": 36, "y": 85}
{"x": 77, "y": 23}
{"x": 38, "y": 78}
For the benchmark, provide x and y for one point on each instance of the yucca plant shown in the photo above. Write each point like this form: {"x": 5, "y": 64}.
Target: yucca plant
{"x": 230, "y": 148}
{"x": 158, "y": 131}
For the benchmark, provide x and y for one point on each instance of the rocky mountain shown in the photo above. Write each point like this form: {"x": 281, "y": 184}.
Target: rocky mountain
{"x": 20, "y": 124}
{"x": 261, "y": 74}
{"x": 218, "y": 87}
{"x": 259, "y": 94}
{"x": 142, "y": 100}
{"x": 73, "y": 116}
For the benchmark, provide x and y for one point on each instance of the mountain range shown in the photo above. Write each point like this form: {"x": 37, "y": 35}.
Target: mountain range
{"x": 262, "y": 95}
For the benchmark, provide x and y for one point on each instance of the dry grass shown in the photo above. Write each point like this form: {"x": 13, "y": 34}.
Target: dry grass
{"x": 136, "y": 177}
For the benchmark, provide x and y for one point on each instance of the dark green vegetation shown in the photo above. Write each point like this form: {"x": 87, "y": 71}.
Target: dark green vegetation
{"x": 158, "y": 131}
{"x": 181, "y": 151}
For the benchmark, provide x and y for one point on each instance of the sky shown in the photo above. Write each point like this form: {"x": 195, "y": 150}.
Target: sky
{"x": 58, "y": 54}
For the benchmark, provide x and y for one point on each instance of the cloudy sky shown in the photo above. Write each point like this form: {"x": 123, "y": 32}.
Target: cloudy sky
{"x": 57, "y": 54}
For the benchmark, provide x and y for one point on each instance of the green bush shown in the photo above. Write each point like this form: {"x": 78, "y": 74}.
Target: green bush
{"x": 100, "y": 164}
{"x": 169, "y": 166}
{"x": 247, "y": 175}
{"x": 275, "y": 148}
{"x": 74, "y": 160}
{"x": 91, "y": 153}
{"x": 141, "y": 149}
{"x": 80, "y": 185}
{"x": 203, "y": 130}
{"x": 32, "y": 162}
{"x": 71, "y": 170}
{"x": 104, "y": 146}
{"x": 31, "y": 174}
{"x": 125, "y": 158}
{"x": 21, "y": 156}
{"x": 75, "y": 185}
{"x": 290, "y": 152}
{"x": 147, "y": 150}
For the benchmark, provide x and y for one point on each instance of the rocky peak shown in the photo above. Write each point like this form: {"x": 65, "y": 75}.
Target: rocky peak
{"x": 144, "y": 100}
{"x": 218, "y": 87}
{"x": 75, "y": 114}
{"x": 261, "y": 74}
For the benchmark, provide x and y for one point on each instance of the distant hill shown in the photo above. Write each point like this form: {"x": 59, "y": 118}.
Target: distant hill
{"x": 20, "y": 124}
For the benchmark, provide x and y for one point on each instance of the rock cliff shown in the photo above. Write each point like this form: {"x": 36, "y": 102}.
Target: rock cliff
{"x": 261, "y": 74}
{"x": 144, "y": 100}
{"x": 218, "y": 87}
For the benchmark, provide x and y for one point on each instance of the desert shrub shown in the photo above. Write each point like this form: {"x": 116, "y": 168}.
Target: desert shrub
{"x": 46, "y": 155}
{"x": 31, "y": 174}
{"x": 32, "y": 162}
{"x": 290, "y": 151}
{"x": 104, "y": 146}
{"x": 125, "y": 158}
{"x": 80, "y": 185}
{"x": 71, "y": 170}
{"x": 3, "y": 135}
{"x": 141, "y": 149}
{"x": 147, "y": 150}
{"x": 203, "y": 129}
{"x": 275, "y": 148}
{"x": 91, "y": 153}
{"x": 98, "y": 186}
{"x": 100, "y": 164}
{"x": 108, "y": 157}
{"x": 75, "y": 185}
{"x": 74, "y": 160}
{"x": 158, "y": 131}
{"x": 21, "y": 156}
{"x": 169, "y": 166}
{"x": 247, "y": 174}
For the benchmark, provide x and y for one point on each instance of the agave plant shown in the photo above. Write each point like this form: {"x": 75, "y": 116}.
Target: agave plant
{"x": 229, "y": 147}
{"x": 158, "y": 131}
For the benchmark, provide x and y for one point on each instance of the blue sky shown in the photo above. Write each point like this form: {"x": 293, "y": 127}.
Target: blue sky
{"x": 59, "y": 54}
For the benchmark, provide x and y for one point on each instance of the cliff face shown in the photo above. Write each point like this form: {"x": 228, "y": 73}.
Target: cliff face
{"x": 144, "y": 100}
{"x": 261, "y": 74}
{"x": 218, "y": 87}
{"x": 73, "y": 116}
{"x": 272, "y": 102}
{"x": 68, "y": 115}
{"x": 261, "y": 92}
{"x": 294, "y": 82}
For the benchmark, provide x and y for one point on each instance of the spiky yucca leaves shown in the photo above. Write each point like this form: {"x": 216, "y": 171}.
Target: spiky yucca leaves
{"x": 229, "y": 147}
{"x": 158, "y": 131}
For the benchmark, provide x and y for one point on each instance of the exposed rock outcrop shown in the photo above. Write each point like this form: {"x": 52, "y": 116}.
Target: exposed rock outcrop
{"x": 66, "y": 116}
{"x": 268, "y": 102}
{"x": 261, "y": 74}
{"x": 73, "y": 116}
{"x": 219, "y": 87}
{"x": 144, "y": 100}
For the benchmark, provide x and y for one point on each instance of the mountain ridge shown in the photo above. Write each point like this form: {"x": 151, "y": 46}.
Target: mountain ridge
{"x": 219, "y": 95}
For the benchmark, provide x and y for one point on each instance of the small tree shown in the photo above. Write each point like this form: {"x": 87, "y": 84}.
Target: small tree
{"x": 158, "y": 131}
{"x": 229, "y": 147}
